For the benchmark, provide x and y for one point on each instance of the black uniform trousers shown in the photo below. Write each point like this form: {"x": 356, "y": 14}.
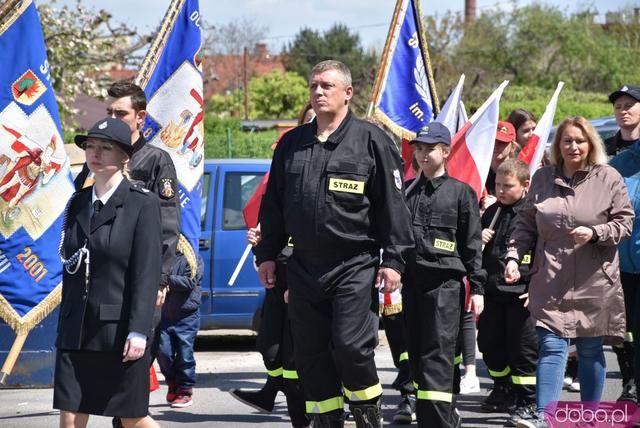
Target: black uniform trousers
{"x": 625, "y": 352}
{"x": 432, "y": 307}
{"x": 394, "y": 329}
{"x": 275, "y": 344}
{"x": 509, "y": 344}
{"x": 335, "y": 323}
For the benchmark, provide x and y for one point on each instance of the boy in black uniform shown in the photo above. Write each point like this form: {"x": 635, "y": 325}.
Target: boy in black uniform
{"x": 507, "y": 336}
{"x": 446, "y": 226}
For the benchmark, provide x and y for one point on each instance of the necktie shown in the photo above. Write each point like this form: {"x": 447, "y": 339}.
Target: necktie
{"x": 97, "y": 206}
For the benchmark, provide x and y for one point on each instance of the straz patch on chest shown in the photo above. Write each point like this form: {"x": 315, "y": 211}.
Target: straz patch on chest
{"x": 348, "y": 186}
{"x": 441, "y": 244}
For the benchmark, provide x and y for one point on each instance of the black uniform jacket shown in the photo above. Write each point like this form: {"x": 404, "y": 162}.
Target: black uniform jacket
{"x": 336, "y": 199}
{"x": 446, "y": 227}
{"x": 616, "y": 144}
{"x": 124, "y": 245}
{"x": 152, "y": 168}
{"x": 493, "y": 256}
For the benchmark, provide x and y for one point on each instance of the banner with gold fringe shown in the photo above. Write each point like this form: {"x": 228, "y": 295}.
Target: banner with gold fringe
{"x": 171, "y": 76}
{"x": 404, "y": 95}
{"x": 35, "y": 182}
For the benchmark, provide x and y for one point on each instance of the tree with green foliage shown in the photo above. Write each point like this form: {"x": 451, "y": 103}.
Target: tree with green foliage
{"x": 538, "y": 45}
{"x": 80, "y": 43}
{"x": 278, "y": 95}
{"x": 272, "y": 96}
{"x": 309, "y": 47}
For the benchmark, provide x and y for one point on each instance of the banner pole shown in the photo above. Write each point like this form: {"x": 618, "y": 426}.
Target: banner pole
{"x": 14, "y": 352}
{"x": 236, "y": 271}
{"x": 424, "y": 49}
{"x": 385, "y": 57}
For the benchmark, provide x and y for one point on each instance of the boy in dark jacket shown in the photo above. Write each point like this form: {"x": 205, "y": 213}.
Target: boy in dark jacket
{"x": 446, "y": 227}
{"x": 179, "y": 327}
{"x": 506, "y": 332}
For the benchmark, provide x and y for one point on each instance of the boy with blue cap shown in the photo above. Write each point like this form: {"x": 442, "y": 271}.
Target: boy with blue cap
{"x": 446, "y": 226}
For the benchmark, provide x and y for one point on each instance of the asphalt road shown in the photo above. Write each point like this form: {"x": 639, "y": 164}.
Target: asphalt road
{"x": 227, "y": 361}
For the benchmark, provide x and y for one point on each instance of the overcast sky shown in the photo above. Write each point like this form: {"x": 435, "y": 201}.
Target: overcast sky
{"x": 284, "y": 18}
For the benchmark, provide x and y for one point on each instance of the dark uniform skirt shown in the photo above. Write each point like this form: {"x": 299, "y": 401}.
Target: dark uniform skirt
{"x": 99, "y": 383}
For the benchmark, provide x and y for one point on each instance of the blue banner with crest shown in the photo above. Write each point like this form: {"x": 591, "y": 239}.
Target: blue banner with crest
{"x": 405, "y": 98}
{"x": 171, "y": 76}
{"x": 35, "y": 182}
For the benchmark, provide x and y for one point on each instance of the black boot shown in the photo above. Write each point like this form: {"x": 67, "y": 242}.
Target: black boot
{"x": 333, "y": 419}
{"x": 295, "y": 403}
{"x": 263, "y": 399}
{"x": 625, "y": 356}
{"x": 403, "y": 381}
{"x": 366, "y": 415}
{"x": 500, "y": 400}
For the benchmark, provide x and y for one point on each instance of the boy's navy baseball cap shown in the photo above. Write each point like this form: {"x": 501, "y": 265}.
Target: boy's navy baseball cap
{"x": 433, "y": 133}
{"x": 632, "y": 91}
{"x": 109, "y": 128}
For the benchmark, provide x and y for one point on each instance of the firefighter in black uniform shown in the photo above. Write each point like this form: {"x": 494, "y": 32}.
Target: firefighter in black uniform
{"x": 446, "y": 227}
{"x": 507, "y": 334}
{"x": 336, "y": 188}
{"x": 152, "y": 169}
{"x": 275, "y": 344}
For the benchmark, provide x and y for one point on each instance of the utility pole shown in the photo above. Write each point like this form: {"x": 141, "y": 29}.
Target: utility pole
{"x": 469, "y": 11}
{"x": 245, "y": 79}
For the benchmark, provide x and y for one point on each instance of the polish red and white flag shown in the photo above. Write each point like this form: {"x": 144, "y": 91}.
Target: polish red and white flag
{"x": 453, "y": 109}
{"x": 533, "y": 151}
{"x": 472, "y": 146}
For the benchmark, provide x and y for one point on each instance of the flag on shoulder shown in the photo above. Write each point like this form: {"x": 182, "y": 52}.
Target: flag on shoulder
{"x": 171, "y": 76}
{"x": 35, "y": 182}
{"x": 472, "y": 146}
{"x": 533, "y": 151}
{"x": 404, "y": 97}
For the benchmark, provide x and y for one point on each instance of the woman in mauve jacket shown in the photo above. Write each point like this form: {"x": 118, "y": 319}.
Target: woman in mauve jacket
{"x": 576, "y": 213}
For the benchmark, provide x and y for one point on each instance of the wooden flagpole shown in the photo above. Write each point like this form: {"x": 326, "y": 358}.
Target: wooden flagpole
{"x": 153, "y": 56}
{"x": 14, "y": 352}
{"x": 393, "y": 29}
{"x": 424, "y": 49}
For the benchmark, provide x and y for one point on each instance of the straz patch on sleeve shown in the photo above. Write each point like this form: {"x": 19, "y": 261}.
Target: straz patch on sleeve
{"x": 526, "y": 260}
{"x": 441, "y": 244}
{"x": 348, "y": 186}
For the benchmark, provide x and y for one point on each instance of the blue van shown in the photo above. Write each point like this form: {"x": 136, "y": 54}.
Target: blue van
{"x": 227, "y": 186}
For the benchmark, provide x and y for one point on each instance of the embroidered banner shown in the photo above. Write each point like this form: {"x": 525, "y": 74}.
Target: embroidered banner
{"x": 171, "y": 76}
{"x": 35, "y": 182}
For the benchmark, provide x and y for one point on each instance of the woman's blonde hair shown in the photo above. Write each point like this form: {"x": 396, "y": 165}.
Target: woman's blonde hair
{"x": 597, "y": 154}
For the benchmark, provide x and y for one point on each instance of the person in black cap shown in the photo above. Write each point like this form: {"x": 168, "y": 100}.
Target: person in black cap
{"x": 625, "y": 148}
{"x": 626, "y": 108}
{"x": 111, "y": 251}
{"x": 446, "y": 228}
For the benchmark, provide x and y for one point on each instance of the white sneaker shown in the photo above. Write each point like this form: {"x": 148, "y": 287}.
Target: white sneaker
{"x": 574, "y": 387}
{"x": 567, "y": 381}
{"x": 469, "y": 384}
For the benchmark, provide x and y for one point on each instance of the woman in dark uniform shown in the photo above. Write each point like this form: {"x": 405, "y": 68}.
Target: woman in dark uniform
{"x": 111, "y": 250}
